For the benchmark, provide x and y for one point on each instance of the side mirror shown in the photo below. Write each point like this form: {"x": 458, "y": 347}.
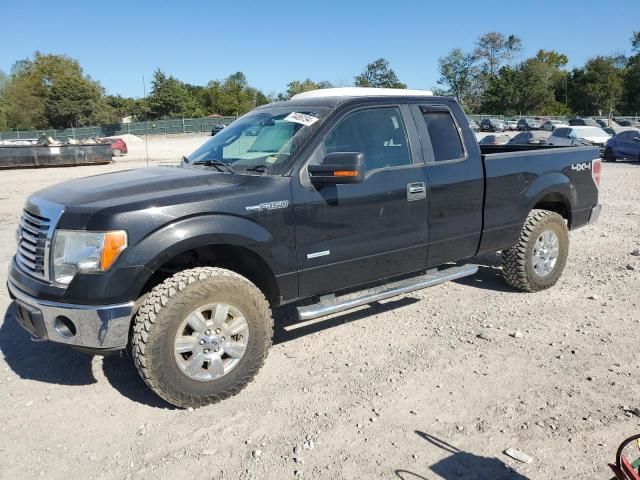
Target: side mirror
{"x": 337, "y": 168}
{"x": 636, "y": 139}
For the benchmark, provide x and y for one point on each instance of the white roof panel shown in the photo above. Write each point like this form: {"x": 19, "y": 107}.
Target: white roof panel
{"x": 361, "y": 92}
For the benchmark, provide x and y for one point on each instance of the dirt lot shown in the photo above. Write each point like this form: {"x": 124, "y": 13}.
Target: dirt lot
{"x": 431, "y": 385}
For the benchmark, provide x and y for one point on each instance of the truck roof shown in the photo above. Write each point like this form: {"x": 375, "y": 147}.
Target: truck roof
{"x": 361, "y": 92}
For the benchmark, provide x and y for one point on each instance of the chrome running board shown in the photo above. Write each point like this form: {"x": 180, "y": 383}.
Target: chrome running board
{"x": 329, "y": 304}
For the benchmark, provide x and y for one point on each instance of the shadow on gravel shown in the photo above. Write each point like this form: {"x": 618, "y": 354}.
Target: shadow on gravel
{"x": 122, "y": 375}
{"x": 489, "y": 276}
{"x": 285, "y": 319}
{"x": 462, "y": 464}
{"x": 41, "y": 361}
{"x": 52, "y": 363}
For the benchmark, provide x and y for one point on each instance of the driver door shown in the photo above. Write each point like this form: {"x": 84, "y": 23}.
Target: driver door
{"x": 351, "y": 234}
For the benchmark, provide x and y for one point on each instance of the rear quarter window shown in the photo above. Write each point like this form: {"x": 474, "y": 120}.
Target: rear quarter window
{"x": 444, "y": 135}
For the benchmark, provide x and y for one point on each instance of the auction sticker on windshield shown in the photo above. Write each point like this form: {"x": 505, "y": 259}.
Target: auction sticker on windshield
{"x": 301, "y": 118}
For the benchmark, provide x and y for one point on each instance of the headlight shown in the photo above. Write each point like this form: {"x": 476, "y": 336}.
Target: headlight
{"x": 78, "y": 251}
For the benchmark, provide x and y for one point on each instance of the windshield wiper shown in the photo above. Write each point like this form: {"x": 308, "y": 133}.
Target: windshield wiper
{"x": 220, "y": 165}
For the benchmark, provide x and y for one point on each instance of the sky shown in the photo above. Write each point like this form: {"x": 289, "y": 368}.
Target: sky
{"x": 273, "y": 42}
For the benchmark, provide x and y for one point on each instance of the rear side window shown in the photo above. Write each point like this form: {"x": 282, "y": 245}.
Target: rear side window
{"x": 444, "y": 135}
{"x": 561, "y": 132}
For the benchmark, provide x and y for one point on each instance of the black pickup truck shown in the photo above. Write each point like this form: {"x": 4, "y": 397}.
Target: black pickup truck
{"x": 332, "y": 200}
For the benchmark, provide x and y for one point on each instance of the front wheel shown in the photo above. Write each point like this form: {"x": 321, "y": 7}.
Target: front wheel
{"x": 116, "y": 152}
{"x": 201, "y": 336}
{"x": 537, "y": 261}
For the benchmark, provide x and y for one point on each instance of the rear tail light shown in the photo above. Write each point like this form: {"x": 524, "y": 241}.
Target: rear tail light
{"x": 596, "y": 170}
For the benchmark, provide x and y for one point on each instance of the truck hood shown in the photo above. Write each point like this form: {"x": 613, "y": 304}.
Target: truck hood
{"x": 133, "y": 186}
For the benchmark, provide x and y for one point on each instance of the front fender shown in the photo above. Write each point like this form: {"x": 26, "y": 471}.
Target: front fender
{"x": 183, "y": 235}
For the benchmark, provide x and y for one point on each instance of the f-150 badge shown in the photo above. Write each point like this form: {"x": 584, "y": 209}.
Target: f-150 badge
{"x": 268, "y": 206}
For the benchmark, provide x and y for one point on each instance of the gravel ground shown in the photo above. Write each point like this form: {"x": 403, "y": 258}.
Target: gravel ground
{"x": 435, "y": 384}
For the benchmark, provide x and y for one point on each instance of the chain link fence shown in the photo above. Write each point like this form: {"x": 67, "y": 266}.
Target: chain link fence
{"x": 186, "y": 125}
{"x": 157, "y": 127}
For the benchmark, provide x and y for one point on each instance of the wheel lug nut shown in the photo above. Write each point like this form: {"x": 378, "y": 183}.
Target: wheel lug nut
{"x": 223, "y": 339}
{"x": 206, "y": 350}
{"x": 201, "y": 342}
{"x": 218, "y": 330}
{"x": 208, "y": 332}
{"x": 216, "y": 349}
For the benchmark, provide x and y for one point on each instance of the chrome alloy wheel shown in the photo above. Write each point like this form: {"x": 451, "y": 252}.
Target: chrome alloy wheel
{"x": 211, "y": 341}
{"x": 545, "y": 253}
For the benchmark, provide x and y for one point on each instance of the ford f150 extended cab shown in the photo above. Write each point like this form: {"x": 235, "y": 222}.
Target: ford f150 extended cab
{"x": 332, "y": 200}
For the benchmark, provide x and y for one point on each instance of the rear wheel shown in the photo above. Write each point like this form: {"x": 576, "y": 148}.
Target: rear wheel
{"x": 609, "y": 156}
{"x": 201, "y": 336}
{"x": 537, "y": 261}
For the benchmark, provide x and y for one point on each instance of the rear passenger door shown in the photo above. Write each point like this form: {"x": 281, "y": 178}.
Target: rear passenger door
{"x": 455, "y": 178}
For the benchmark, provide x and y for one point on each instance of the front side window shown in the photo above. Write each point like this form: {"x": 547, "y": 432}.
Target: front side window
{"x": 261, "y": 142}
{"x": 444, "y": 135}
{"x": 378, "y": 133}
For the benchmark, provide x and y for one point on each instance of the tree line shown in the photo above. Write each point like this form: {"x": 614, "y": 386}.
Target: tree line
{"x": 491, "y": 79}
{"x": 52, "y": 91}
{"x": 47, "y": 90}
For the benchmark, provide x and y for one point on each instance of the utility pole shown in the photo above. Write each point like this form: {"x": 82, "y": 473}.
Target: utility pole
{"x": 146, "y": 121}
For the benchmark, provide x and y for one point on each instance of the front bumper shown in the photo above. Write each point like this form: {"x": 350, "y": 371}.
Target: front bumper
{"x": 87, "y": 327}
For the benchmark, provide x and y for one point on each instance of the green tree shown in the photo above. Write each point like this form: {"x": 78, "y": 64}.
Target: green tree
{"x": 458, "y": 76}
{"x": 296, "y": 86}
{"x": 379, "y": 74}
{"x": 4, "y": 80}
{"x": 169, "y": 97}
{"x": 598, "y": 88}
{"x": 631, "y": 81}
{"x": 494, "y": 49}
{"x": 635, "y": 42}
{"x": 502, "y": 94}
{"x": 50, "y": 91}
{"x": 74, "y": 101}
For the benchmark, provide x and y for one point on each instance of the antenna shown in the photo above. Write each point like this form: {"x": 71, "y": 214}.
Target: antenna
{"x": 146, "y": 122}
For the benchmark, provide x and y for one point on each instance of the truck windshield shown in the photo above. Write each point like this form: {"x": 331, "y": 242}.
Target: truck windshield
{"x": 261, "y": 142}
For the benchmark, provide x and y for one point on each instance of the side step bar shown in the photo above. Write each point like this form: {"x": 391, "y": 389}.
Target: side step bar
{"x": 329, "y": 304}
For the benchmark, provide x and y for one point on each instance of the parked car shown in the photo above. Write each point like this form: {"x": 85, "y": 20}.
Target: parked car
{"x": 607, "y": 122}
{"x": 579, "y": 136}
{"x": 629, "y": 123}
{"x": 474, "y": 125}
{"x": 551, "y": 125}
{"x": 528, "y": 124}
{"x": 118, "y": 147}
{"x": 531, "y": 137}
{"x": 184, "y": 265}
{"x": 495, "y": 140}
{"x": 512, "y": 125}
{"x": 492, "y": 125}
{"x": 623, "y": 145}
{"x": 583, "y": 122}
{"x": 217, "y": 128}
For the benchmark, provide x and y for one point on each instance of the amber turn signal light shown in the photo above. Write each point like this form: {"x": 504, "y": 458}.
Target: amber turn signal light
{"x": 114, "y": 244}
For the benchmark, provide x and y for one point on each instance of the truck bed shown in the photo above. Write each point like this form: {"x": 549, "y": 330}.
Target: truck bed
{"x": 516, "y": 177}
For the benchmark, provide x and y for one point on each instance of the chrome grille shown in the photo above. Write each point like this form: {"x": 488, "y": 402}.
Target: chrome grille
{"x": 33, "y": 244}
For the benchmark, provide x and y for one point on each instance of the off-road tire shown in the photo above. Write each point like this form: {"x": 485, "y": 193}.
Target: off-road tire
{"x": 116, "y": 152}
{"x": 159, "y": 317}
{"x": 517, "y": 267}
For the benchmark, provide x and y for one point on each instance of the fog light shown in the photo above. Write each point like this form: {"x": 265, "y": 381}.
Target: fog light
{"x": 64, "y": 327}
